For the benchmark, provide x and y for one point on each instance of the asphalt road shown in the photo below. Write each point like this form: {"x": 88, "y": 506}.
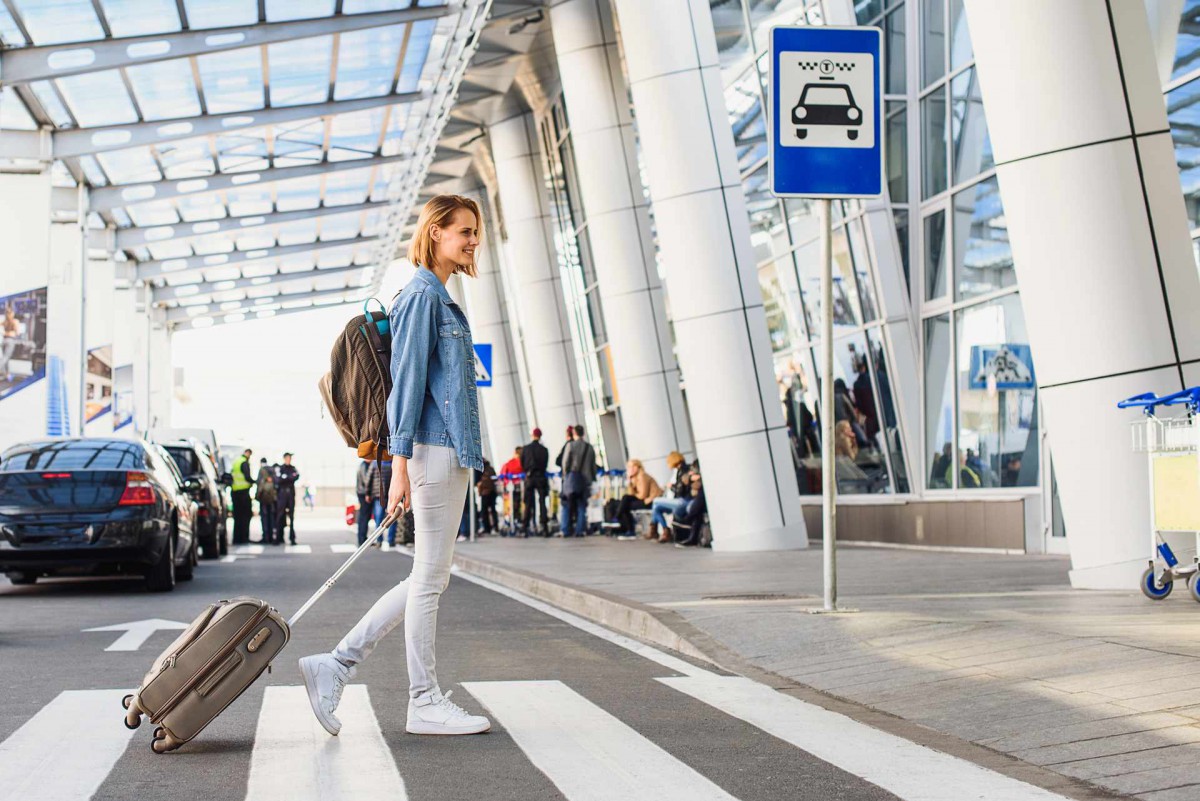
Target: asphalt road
{"x": 577, "y": 713}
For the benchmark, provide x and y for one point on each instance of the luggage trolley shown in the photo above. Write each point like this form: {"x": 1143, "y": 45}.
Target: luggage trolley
{"x": 1171, "y": 445}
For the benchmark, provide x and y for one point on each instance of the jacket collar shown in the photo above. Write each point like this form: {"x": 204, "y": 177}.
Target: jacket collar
{"x": 432, "y": 280}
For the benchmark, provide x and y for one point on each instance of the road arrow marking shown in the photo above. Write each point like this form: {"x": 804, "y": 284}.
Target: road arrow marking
{"x": 137, "y": 632}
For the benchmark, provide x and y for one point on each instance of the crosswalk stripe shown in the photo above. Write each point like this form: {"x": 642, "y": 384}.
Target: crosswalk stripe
{"x": 910, "y": 771}
{"x": 297, "y": 549}
{"x": 343, "y": 547}
{"x": 229, "y": 557}
{"x": 248, "y": 550}
{"x": 586, "y": 752}
{"x": 294, "y": 759}
{"x": 40, "y": 761}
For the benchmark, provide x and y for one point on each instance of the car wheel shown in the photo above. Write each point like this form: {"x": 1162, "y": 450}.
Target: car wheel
{"x": 212, "y": 543}
{"x": 224, "y": 537}
{"x": 23, "y": 578}
{"x": 852, "y": 134}
{"x": 161, "y": 576}
{"x": 802, "y": 133}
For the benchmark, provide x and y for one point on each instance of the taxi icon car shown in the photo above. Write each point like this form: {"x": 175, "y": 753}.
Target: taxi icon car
{"x": 827, "y": 104}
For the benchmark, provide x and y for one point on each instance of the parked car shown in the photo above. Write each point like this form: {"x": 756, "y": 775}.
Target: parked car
{"x": 195, "y": 461}
{"x": 95, "y": 506}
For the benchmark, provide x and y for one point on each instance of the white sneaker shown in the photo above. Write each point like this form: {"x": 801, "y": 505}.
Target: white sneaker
{"x": 437, "y": 714}
{"x": 325, "y": 677}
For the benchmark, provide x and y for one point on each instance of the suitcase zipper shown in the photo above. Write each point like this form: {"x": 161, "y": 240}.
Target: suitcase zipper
{"x": 230, "y": 646}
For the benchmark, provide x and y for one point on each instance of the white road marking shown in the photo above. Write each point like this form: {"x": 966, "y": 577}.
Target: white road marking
{"x": 294, "y": 759}
{"x": 137, "y": 632}
{"x": 589, "y": 754}
{"x": 229, "y": 558}
{"x": 248, "y": 550}
{"x": 910, "y": 771}
{"x": 297, "y": 549}
{"x": 343, "y": 547}
{"x": 51, "y": 759}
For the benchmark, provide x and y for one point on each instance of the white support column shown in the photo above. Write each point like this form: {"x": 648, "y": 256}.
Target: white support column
{"x": 556, "y": 396}
{"x": 502, "y": 403}
{"x": 1101, "y": 244}
{"x": 618, "y": 219}
{"x": 704, "y": 236}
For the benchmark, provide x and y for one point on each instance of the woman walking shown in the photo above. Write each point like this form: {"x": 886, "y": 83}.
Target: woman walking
{"x": 433, "y": 421}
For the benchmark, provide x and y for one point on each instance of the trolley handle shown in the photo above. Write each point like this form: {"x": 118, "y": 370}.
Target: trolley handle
{"x": 1147, "y": 400}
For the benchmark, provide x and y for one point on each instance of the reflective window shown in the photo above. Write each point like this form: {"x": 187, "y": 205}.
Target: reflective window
{"x": 1187, "y": 44}
{"x": 1183, "y": 111}
{"x": 165, "y": 90}
{"x": 13, "y": 114}
{"x": 733, "y": 40}
{"x": 997, "y": 397}
{"x": 894, "y": 54}
{"x": 220, "y": 13}
{"x": 983, "y": 260}
{"x": 845, "y": 293}
{"x": 934, "y": 246}
{"x": 60, "y": 21}
{"x": 933, "y": 40}
{"x": 765, "y": 14}
{"x": 862, "y": 270}
{"x": 415, "y": 55}
{"x": 781, "y": 304}
{"x": 795, "y": 378}
{"x": 367, "y": 61}
{"x": 98, "y": 98}
{"x": 939, "y": 403}
{"x": 802, "y": 219}
{"x": 896, "y": 140}
{"x": 961, "y": 50}
{"x": 888, "y": 421}
{"x": 865, "y": 11}
{"x": 768, "y": 235}
{"x": 140, "y": 17}
{"x": 970, "y": 143}
{"x": 933, "y": 142}
{"x": 232, "y": 81}
{"x": 900, "y": 216}
{"x": 300, "y": 71}
{"x": 861, "y": 464}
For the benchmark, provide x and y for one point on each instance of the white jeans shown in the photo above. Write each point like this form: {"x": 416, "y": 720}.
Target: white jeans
{"x": 439, "y": 488}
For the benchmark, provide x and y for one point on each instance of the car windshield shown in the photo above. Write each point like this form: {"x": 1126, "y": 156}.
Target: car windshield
{"x": 87, "y": 454}
{"x": 826, "y": 96}
{"x": 185, "y": 460}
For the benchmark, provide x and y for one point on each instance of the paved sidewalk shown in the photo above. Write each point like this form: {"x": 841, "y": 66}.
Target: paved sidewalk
{"x": 995, "y": 650}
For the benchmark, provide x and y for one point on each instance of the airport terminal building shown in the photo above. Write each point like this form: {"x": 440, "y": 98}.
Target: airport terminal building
{"x": 183, "y": 164}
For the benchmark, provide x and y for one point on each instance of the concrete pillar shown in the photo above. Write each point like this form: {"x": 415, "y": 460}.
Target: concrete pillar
{"x": 557, "y": 400}
{"x": 618, "y": 220}
{"x": 502, "y": 402}
{"x": 717, "y": 309}
{"x": 1100, "y": 239}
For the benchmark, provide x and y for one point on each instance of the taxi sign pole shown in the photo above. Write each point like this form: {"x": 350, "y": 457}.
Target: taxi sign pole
{"x": 828, "y": 463}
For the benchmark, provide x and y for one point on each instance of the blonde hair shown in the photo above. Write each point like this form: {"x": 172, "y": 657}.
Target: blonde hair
{"x": 637, "y": 463}
{"x": 674, "y": 459}
{"x": 439, "y": 211}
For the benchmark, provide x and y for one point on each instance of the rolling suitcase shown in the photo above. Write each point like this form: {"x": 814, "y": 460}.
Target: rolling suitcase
{"x": 215, "y": 660}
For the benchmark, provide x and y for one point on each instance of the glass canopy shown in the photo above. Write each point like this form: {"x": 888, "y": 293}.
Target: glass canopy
{"x": 313, "y": 109}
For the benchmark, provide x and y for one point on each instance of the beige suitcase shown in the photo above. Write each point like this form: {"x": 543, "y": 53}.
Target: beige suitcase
{"x": 214, "y": 661}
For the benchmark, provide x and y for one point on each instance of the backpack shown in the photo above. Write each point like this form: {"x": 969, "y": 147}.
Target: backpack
{"x": 356, "y": 388}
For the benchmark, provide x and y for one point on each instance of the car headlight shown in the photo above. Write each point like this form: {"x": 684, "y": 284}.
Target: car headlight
{"x": 800, "y": 112}
{"x": 853, "y": 113}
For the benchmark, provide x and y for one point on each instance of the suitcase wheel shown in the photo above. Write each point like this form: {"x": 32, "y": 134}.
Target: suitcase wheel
{"x": 133, "y": 715}
{"x": 126, "y": 700}
{"x": 163, "y": 742}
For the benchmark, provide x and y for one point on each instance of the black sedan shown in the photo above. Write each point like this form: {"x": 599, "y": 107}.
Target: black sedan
{"x": 827, "y": 104}
{"x": 195, "y": 462}
{"x": 95, "y": 506}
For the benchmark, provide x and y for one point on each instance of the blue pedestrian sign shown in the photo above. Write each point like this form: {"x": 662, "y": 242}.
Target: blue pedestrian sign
{"x": 483, "y": 365}
{"x": 826, "y": 130}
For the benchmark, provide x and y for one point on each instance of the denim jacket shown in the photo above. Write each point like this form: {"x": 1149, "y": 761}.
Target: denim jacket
{"x": 433, "y": 398}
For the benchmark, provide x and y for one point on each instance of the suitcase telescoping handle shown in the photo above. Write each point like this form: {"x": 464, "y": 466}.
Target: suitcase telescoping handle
{"x": 316, "y": 596}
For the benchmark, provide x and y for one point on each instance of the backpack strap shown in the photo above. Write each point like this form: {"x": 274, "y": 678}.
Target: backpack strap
{"x": 382, "y": 349}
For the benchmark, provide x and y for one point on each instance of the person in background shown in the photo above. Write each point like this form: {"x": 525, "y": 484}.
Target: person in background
{"x": 578, "y": 462}
{"x": 513, "y": 468}
{"x": 310, "y": 498}
{"x": 363, "y": 488}
{"x": 11, "y": 330}
{"x": 570, "y": 435}
{"x": 381, "y": 479}
{"x": 692, "y": 519}
{"x": 534, "y": 459}
{"x": 266, "y": 496}
{"x": 243, "y": 511}
{"x": 485, "y": 485}
{"x": 286, "y": 478}
{"x": 643, "y": 489}
{"x": 675, "y": 501}
{"x": 844, "y": 441}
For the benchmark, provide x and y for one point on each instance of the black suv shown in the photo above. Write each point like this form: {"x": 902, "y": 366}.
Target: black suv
{"x": 195, "y": 462}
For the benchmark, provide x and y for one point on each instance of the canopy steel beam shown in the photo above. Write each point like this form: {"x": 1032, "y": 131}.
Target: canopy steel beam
{"x": 28, "y": 64}
{"x": 84, "y": 141}
{"x": 128, "y": 238}
{"x": 181, "y": 312}
{"x": 107, "y": 198}
{"x": 154, "y": 269}
{"x": 163, "y": 294}
{"x": 185, "y": 325}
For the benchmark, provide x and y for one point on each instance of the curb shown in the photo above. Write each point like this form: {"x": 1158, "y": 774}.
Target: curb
{"x": 668, "y": 629}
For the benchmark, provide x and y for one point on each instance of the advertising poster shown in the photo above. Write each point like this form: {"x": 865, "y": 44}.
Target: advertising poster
{"x": 122, "y": 396}
{"x": 99, "y": 382}
{"x": 22, "y": 340}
